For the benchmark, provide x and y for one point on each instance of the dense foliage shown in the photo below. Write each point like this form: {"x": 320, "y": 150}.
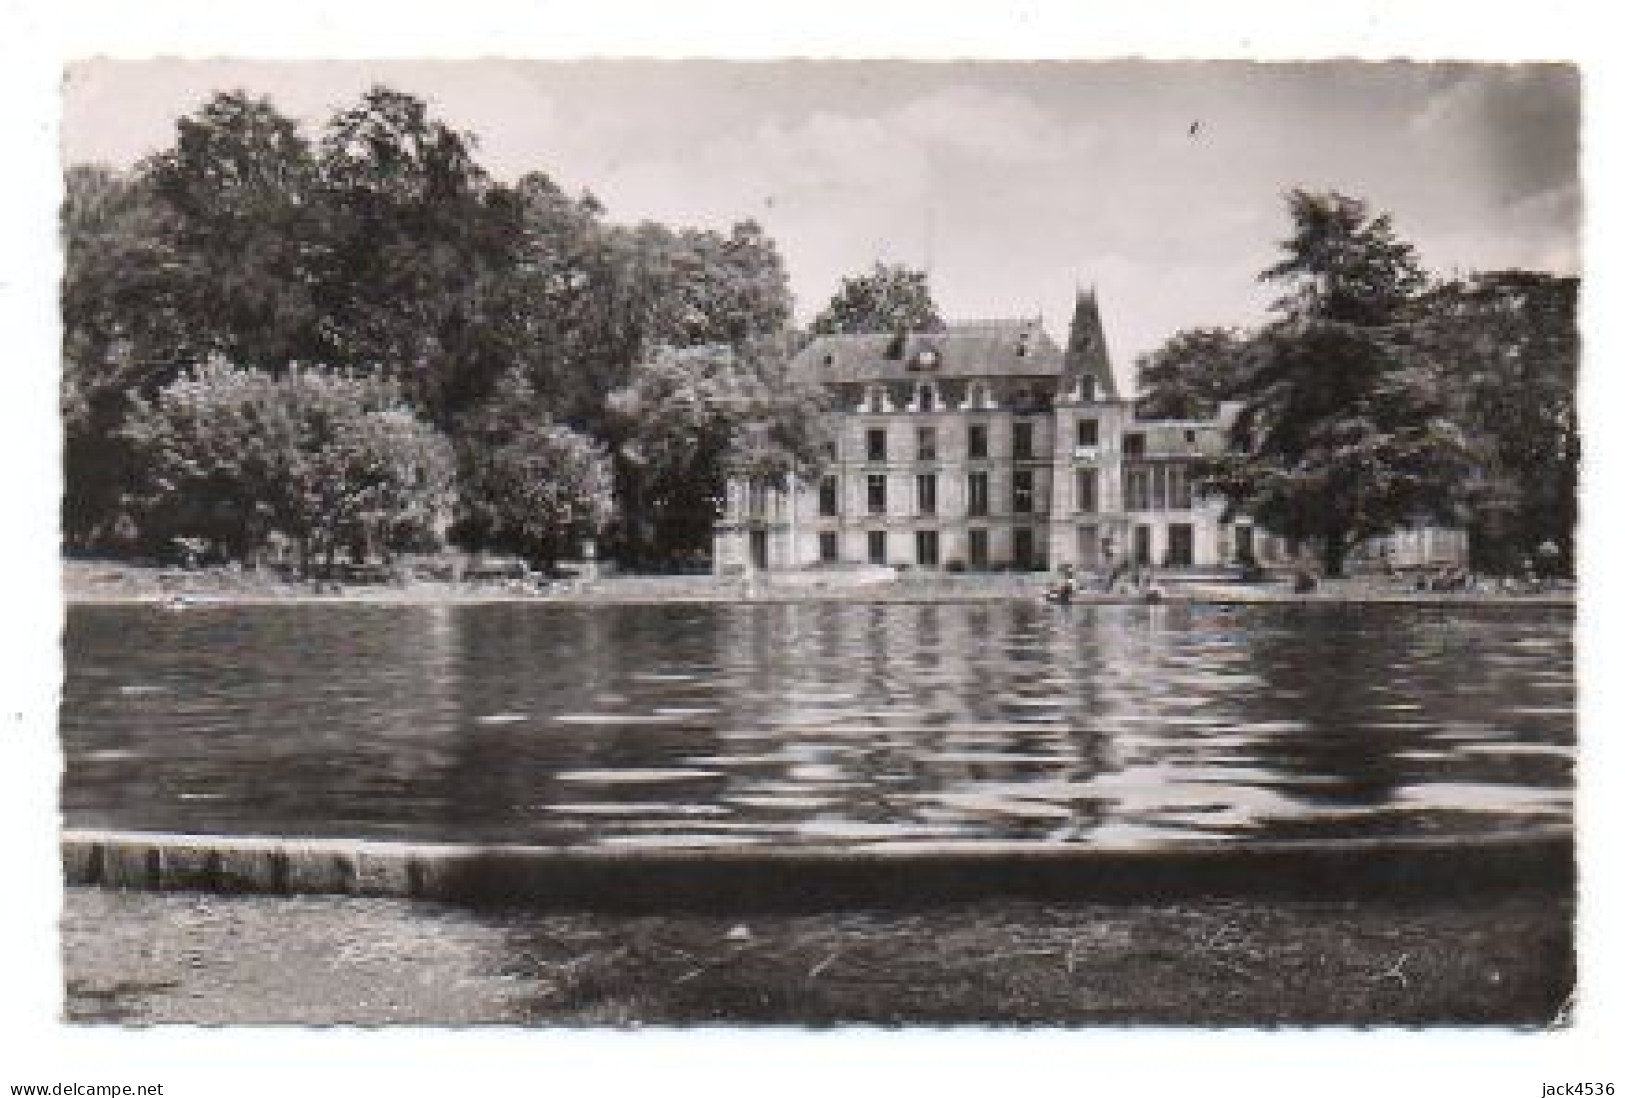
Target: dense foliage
{"x": 1189, "y": 376}
{"x": 325, "y": 461}
{"x": 506, "y": 314}
{"x": 887, "y": 299}
{"x": 1376, "y": 398}
{"x": 1509, "y": 351}
{"x": 687, "y": 421}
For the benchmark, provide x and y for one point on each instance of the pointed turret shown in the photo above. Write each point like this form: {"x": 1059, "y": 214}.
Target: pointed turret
{"x": 1086, "y": 353}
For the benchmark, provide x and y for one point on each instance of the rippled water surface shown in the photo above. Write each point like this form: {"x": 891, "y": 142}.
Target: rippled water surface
{"x": 824, "y": 723}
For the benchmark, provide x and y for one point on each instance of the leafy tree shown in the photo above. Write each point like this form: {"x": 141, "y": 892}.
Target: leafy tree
{"x": 1188, "y": 376}
{"x": 1346, "y": 424}
{"x": 1343, "y": 265}
{"x": 240, "y": 189}
{"x": 328, "y": 460}
{"x": 416, "y": 249}
{"x": 530, "y": 485}
{"x": 378, "y": 244}
{"x": 688, "y": 421}
{"x": 122, "y": 324}
{"x": 1508, "y": 346}
{"x": 887, "y": 299}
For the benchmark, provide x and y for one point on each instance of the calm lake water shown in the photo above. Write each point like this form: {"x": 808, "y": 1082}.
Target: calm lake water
{"x": 819, "y": 723}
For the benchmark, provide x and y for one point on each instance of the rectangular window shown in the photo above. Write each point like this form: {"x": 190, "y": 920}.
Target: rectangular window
{"x": 1021, "y": 440}
{"x": 829, "y": 546}
{"x": 978, "y": 441}
{"x": 1134, "y": 445}
{"x": 877, "y": 547}
{"x": 756, "y": 500}
{"x": 877, "y": 444}
{"x": 925, "y": 548}
{"x": 978, "y": 550}
{"x": 1088, "y": 432}
{"x": 978, "y": 493}
{"x": 829, "y": 497}
{"x": 926, "y": 444}
{"x": 1136, "y": 488}
{"x": 877, "y": 493}
{"x": 1021, "y": 492}
{"x": 1179, "y": 488}
{"x": 1088, "y": 490}
{"x": 1159, "y": 487}
{"x": 1181, "y": 545}
{"x": 1026, "y": 558}
{"x": 926, "y": 489}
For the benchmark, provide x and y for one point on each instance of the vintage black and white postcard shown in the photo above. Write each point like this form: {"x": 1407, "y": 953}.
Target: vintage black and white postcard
{"x": 1029, "y": 544}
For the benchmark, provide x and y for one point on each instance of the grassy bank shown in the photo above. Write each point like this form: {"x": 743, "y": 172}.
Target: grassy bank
{"x": 169, "y": 957}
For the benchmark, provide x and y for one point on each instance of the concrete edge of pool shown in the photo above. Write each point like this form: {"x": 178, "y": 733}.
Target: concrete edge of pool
{"x": 821, "y": 877}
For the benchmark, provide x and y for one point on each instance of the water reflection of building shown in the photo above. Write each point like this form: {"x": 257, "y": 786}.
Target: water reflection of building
{"x": 986, "y": 447}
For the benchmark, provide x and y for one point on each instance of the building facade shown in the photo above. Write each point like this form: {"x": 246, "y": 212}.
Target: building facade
{"x": 987, "y": 447}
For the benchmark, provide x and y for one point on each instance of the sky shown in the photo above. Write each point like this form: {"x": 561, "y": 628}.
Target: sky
{"x": 1160, "y": 184}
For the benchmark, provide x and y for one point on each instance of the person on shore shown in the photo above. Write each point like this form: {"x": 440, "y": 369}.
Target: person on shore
{"x": 1064, "y": 588}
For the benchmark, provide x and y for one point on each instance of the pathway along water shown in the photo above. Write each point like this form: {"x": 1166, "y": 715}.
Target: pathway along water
{"x": 819, "y": 724}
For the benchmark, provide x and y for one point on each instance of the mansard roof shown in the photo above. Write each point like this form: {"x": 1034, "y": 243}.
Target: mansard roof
{"x": 978, "y": 348}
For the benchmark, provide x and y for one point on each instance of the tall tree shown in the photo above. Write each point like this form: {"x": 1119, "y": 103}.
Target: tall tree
{"x": 416, "y": 248}
{"x": 887, "y": 299}
{"x": 1508, "y": 347}
{"x": 529, "y": 485}
{"x": 689, "y": 420}
{"x": 1188, "y": 376}
{"x": 1346, "y": 426}
{"x": 239, "y": 184}
{"x": 123, "y": 326}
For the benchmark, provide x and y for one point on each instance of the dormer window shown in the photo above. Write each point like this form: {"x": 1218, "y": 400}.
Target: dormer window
{"x": 1021, "y": 346}
{"x": 1086, "y": 387}
{"x": 894, "y": 349}
{"x": 925, "y": 398}
{"x": 978, "y": 395}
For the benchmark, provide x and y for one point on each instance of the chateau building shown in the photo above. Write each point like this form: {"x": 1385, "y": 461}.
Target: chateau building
{"x": 986, "y": 447}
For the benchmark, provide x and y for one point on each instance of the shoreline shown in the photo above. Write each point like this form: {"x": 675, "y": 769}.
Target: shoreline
{"x": 637, "y": 593}
{"x": 110, "y": 583}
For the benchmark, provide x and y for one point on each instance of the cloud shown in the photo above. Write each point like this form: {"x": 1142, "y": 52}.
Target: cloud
{"x": 1522, "y": 120}
{"x": 973, "y": 121}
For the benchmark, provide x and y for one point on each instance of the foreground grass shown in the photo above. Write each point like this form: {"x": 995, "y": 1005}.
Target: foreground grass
{"x": 147, "y": 957}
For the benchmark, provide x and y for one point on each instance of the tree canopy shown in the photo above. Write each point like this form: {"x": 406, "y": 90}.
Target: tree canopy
{"x": 324, "y": 459}
{"x": 1191, "y": 374}
{"x": 690, "y": 419}
{"x": 889, "y": 298}
{"x": 1346, "y": 424}
{"x": 1508, "y": 347}
{"x": 380, "y": 246}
